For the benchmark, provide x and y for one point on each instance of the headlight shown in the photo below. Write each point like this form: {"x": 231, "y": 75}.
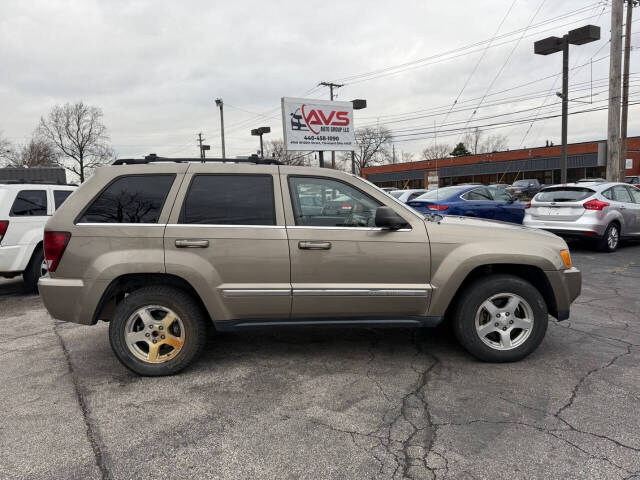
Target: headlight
{"x": 566, "y": 257}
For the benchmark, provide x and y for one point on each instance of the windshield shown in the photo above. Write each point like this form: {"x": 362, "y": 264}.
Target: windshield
{"x": 444, "y": 192}
{"x": 522, "y": 183}
{"x": 564, "y": 194}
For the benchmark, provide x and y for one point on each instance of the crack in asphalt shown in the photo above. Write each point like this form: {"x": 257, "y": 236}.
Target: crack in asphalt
{"x": 91, "y": 432}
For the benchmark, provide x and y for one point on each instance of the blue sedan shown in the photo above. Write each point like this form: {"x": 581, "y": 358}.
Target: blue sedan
{"x": 471, "y": 201}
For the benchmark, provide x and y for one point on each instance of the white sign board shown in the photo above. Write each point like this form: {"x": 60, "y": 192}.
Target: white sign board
{"x": 629, "y": 163}
{"x": 310, "y": 124}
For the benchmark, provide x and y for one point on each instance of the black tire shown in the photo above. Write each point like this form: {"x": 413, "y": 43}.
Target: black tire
{"x": 470, "y": 301}
{"x": 33, "y": 271}
{"x": 603, "y": 244}
{"x": 185, "y": 307}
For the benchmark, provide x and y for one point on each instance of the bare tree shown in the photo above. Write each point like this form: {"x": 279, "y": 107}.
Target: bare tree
{"x": 474, "y": 140}
{"x": 276, "y": 150}
{"x": 7, "y": 152}
{"x": 406, "y": 157}
{"x": 373, "y": 147}
{"x": 37, "y": 153}
{"x": 79, "y": 137}
{"x": 494, "y": 143}
{"x": 436, "y": 152}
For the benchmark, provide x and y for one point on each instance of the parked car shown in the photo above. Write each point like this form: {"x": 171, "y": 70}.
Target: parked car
{"x": 24, "y": 210}
{"x": 501, "y": 186}
{"x": 604, "y": 212}
{"x": 471, "y": 201}
{"x": 524, "y": 188}
{"x": 632, "y": 179}
{"x": 406, "y": 195}
{"x": 162, "y": 251}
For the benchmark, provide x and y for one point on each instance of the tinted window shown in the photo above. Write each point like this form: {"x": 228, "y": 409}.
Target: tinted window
{"x": 621, "y": 194}
{"x": 60, "y": 196}
{"x": 499, "y": 194}
{"x": 444, "y": 192}
{"x": 230, "y": 200}
{"x": 30, "y": 203}
{"x": 564, "y": 194}
{"x": 478, "y": 194}
{"x": 130, "y": 199}
{"x": 339, "y": 204}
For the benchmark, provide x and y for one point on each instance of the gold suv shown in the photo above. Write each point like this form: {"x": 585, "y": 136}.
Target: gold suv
{"x": 161, "y": 249}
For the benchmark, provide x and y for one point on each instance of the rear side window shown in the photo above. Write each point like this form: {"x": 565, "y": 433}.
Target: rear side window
{"x": 478, "y": 194}
{"x": 230, "y": 200}
{"x": 130, "y": 199}
{"x": 59, "y": 196}
{"x": 30, "y": 203}
{"x": 564, "y": 194}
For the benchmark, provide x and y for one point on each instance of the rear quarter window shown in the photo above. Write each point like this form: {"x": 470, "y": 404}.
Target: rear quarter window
{"x": 564, "y": 194}
{"x": 29, "y": 203}
{"x": 130, "y": 199}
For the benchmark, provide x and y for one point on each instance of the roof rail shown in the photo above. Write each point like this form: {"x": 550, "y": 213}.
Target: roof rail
{"x": 152, "y": 158}
{"x": 14, "y": 181}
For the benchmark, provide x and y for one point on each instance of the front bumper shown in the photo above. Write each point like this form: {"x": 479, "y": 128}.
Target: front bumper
{"x": 566, "y": 286}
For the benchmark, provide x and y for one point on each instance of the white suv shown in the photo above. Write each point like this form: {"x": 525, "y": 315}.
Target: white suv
{"x": 24, "y": 209}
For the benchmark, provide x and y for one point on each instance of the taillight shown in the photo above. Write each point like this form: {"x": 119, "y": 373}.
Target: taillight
{"x": 528, "y": 205}
{"x": 346, "y": 206}
{"x": 438, "y": 208}
{"x": 4, "y": 224}
{"x": 595, "y": 204}
{"x": 54, "y": 245}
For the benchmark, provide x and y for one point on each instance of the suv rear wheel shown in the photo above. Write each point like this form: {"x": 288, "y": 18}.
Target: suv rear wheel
{"x": 157, "y": 331}
{"x": 36, "y": 268}
{"x": 500, "y": 318}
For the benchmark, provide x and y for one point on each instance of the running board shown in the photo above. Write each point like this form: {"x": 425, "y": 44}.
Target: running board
{"x": 407, "y": 322}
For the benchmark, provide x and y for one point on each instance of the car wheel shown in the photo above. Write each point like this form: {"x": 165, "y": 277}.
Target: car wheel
{"x": 158, "y": 331}
{"x": 36, "y": 268}
{"x": 611, "y": 239}
{"x": 500, "y": 318}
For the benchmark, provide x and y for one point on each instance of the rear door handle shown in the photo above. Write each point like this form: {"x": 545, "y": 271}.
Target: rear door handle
{"x": 187, "y": 243}
{"x": 314, "y": 245}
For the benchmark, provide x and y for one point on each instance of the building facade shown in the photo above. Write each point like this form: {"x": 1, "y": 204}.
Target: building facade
{"x": 584, "y": 160}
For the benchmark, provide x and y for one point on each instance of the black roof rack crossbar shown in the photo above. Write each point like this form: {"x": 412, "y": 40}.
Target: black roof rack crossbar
{"x": 154, "y": 158}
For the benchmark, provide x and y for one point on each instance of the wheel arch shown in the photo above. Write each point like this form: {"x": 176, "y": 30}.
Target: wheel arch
{"x": 530, "y": 273}
{"x": 128, "y": 283}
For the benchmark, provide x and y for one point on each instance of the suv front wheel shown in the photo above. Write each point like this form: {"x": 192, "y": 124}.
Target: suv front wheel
{"x": 157, "y": 331}
{"x": 500, "y": 318}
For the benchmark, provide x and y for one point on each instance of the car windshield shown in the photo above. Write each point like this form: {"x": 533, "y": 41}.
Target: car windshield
{"x": 396, "y": 193}
{"x": 564, "y": 194}
{"x": 521, "y": 183}
{"x": 444, "y": 192}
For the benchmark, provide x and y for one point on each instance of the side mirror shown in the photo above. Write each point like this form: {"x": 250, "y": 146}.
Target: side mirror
{"x": 386, "y": 217}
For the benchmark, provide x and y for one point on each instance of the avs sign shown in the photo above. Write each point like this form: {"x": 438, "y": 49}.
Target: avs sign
{"x": 317, "y": 124}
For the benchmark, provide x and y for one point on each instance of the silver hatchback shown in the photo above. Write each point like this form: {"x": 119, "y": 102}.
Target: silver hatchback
{"x": 604, "y": 212}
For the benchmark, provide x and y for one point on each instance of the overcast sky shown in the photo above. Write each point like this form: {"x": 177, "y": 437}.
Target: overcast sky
{"x": 155, "y": 67}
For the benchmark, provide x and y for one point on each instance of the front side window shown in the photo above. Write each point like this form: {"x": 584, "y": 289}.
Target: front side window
{"x": 476, "y": 194}
{"x": 230, "y": 200}
{"x": 635, "y": 193}
{"x": 336, "y": 204}
{"x": 59, "y": 196}
{"x": 30, "y": 203}
{"x": 130, "y": 199}
{"x": 499, "y": 195}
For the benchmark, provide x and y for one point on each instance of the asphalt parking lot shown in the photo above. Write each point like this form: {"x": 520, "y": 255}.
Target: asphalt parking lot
{"x": 317, "y": 404}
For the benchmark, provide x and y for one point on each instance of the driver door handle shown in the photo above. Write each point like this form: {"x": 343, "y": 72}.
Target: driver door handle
{"x": 314, "y": 245}
{"x": 188, "y": 243}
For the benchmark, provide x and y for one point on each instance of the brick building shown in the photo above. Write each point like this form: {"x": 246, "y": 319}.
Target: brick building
{"x": 587, "y": 159}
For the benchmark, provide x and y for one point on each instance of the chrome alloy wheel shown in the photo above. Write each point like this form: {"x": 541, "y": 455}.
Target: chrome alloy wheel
{"x": 613, "y": 237}
{"x": 504, "y": 321}
{"x": 154, "y": 334}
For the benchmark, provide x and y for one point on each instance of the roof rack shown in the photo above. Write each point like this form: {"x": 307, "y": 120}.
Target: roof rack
{"x": 152, "y": 158}
{"x": 36, "y": 182}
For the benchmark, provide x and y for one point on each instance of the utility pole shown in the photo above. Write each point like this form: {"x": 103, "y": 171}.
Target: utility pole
{"x": 200, "y": 140}
{"x": 565, "y": 107}
{"x": 613, "y": 125}
{"x": 331, "y": 86}
{"x": 625, "y": 90}
{"x": 220, "y": 104}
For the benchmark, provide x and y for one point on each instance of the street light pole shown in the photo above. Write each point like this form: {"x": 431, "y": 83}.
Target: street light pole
{"x": 220, "y": 104}
{"x": 549, "y": 45}
{"x": 258, "y": 132}
{"x": 565, "y": 106}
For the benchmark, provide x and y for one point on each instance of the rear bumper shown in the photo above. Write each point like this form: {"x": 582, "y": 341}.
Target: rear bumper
{"x": 15, "y": 258}
{"x": 69, "y": 300}
{"x": 582, "y": 228}
{"x": 566, "y": 286}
